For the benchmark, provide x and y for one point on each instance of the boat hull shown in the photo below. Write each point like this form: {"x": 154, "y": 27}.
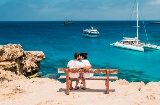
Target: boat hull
{"x": 130, "y": 47}
{"x": 91, "y": 35}
{"x": 91, "y": 32}
{"x": 151, "y": 46}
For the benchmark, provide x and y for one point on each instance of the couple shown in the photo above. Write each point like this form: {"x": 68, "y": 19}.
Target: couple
{"x": 84, "y": 64}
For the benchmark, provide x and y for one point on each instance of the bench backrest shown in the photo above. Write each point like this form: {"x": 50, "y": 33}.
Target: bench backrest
{"x": 95, "y": 71}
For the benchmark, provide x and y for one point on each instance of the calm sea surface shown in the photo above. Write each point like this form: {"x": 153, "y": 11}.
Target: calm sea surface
{"x": 59, "y": 42}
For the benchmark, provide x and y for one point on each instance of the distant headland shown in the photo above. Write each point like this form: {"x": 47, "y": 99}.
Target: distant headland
{"x": 154, "y": 23}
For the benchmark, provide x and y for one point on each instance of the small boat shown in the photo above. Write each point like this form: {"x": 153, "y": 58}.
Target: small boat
{"x": 68, "y": 22}
{"x": 91, "y": 32}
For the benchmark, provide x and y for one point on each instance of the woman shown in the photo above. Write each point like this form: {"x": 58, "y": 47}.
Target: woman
{"x": 85, "y": 61}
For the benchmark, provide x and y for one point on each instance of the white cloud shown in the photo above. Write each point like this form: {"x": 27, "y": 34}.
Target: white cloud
{"x": 2, "y": 2}
{"x": 46, "y": 9}
{"x": 32, "y": 6}
{"x": 154, "y": 2}
{"x": 75, "y": 9}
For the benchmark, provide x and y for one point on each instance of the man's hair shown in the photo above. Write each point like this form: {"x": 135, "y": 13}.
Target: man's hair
{"x": 76, "y": 55}
{"x": 84, "y": 55}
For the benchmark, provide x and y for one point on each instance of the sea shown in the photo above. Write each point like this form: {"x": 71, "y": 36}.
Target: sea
{"x": 59, "y": 42}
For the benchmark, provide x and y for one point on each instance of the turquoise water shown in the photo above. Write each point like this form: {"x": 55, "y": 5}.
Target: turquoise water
{"x": 59, "y": 42}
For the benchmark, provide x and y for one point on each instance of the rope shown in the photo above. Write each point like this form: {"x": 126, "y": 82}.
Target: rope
{"x": 142, "y": 20}
{"x": 144, "y": 26}
{"x": 131, "y": 18}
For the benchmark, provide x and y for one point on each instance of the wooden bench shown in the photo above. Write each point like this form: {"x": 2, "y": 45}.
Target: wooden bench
{"x": 107, "y": 76}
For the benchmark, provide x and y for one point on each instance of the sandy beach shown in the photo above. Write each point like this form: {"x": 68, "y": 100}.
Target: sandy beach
{"x": 45, "y": 91}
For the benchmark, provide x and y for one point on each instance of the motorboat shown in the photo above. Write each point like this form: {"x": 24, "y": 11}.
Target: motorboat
{"x": 68, "y": 22}
{"x": 90, "y": 32}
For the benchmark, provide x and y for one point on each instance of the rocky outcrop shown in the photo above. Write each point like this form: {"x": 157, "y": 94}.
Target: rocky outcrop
{"x": 9, "y": 76}
{"x": 10, "y": 52}
{"x": 31, "y": 60}
{"x": 13, "y": 58}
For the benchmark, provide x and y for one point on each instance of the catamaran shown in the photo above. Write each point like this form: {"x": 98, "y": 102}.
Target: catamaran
{"x": 130, "y": 43}
{"x": 134, "y": 43}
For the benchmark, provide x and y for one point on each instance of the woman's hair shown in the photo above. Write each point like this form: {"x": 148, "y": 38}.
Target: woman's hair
{"x": 84, "y": 55}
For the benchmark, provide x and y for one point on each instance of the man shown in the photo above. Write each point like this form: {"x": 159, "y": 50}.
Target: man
{"x": 75, "y": 64}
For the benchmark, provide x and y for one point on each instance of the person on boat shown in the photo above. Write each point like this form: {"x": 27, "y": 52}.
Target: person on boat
{"x": 75, "y": 64}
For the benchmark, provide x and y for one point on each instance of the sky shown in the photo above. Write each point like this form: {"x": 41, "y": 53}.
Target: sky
{"x": 59, "y": 10}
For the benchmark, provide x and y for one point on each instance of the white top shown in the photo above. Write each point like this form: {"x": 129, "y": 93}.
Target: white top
{"x": 86, "y": 62}
{"x": 74, "y": 64}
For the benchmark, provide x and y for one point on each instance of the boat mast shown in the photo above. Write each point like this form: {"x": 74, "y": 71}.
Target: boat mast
{"x": 137, "y": 22}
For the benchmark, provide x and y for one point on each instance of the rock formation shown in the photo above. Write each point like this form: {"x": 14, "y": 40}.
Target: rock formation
{"x": 13, "y": 58}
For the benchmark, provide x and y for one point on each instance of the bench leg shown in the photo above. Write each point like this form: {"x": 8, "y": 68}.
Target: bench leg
{"x": 67, "y": 87}
{"x": 68, "y": 82}
{"x": 107, "y": 87}
{"x": 107, "y": 82}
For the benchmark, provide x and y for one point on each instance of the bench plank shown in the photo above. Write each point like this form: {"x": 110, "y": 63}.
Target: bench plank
{"x": 93, "y": 78}
{"x": 95, "y": 71}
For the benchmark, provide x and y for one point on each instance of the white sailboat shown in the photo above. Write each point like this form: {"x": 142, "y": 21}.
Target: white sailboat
{"x": 130, "y": 43}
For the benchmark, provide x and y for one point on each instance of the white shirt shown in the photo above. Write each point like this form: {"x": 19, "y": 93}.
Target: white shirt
{"x": 86, "y": 62}
{"x": 74, "y": 64}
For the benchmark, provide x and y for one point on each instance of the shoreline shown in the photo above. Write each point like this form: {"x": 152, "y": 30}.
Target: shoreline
{"x": 45, "y": 91}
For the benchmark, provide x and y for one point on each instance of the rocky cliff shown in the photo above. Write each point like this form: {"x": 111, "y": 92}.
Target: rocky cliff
{"x": 13, "y": 58}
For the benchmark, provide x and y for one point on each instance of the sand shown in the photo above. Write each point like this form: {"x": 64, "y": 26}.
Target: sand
{"x": 45, "y": 91}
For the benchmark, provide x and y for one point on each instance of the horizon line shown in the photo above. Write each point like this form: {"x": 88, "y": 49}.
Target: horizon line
{"x": 68, "y": 20}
